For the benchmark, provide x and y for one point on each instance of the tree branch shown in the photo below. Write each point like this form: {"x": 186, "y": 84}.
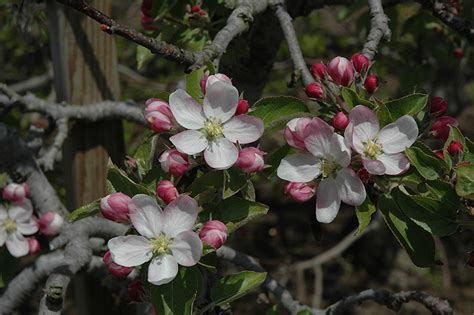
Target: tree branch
{"x": 49, "y": 157}
{"x": 378, "y": 29}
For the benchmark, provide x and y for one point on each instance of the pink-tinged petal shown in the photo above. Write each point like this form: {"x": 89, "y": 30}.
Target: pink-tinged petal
{"x": 162, "y": 269}
{"x": 394, "y": 164}
{"x": 328, "y": 201}
{"x": 21, "y": 211}
{"x": 3, "y": 213}
{"x": 398, "y": 136}
{"x": 17, "y": 245}
{"x": 348, "y": 134}
{"x": 374, "y": 167}
{"x": 301, "y": 167}
{"x": 351, "y": 188}
{"x": 187, "y": 248}
{"x": 27, "y": 228}
{"x": 319, "y": 138}
{"x": 146, "y": 215}
{"x": 243, "y": 129}
{"x": 221, "y": 153}
{"x": 190, "y": 141}
{"x": 130, "y": 250}
{"x": 221, "y": 101}
{"x": 186, "y": 110}
{"x": 180, "y": 215}
{"x": 365, "y": 126}
{"x": 340, "y": 151}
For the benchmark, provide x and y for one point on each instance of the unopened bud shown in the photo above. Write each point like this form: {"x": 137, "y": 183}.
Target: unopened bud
{"x": 251, "y": 160}
{"x": 115, "y": 207}
{"x": 438, "y": 106}
{"x": 158, "y": 115}
{"x": 214, "y": 233}
{"x": 440, "y": 128}
{"x": 242, "y": 107}
{"x": 315, "y": 90}
{"x": 34, "y": 246}
{"x": 455, "y": 147}
{"x": 166, "y": 191}
{"x": 371, "y": 83}
{"x": 300, "y": 192}
{"x": 174, "y": 162}
{"x": 50, "y": 223}
{"x": 341, "y": 71}
{"x": 295, "y": 132}
{"x": 319, "y": 70}
{"x": 340, "y": 121}
{"x": 114, "y": 268}
{"x": 360, "y": 62}
{"x": 15, "y": 192}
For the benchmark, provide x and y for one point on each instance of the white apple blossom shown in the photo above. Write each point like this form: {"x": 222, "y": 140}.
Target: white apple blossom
{"x": 381, "y": 150}
{"x": 212, "y": 126}
{"x": 328, "y": 158}
{"x": 14, "y": 224}
{"x": 166, "y": 238}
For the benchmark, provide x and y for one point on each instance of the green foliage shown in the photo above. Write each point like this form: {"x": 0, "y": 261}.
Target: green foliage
{"x": 145, "y": 154}
{"x": 351, "y": 98}
{"x": 88, "y": 210}
{"x": 465, "y": 181}
{"x": 408, "y": 105}
{"x": 143, "y": 56}
{"x": 234, "y": 286}
{"x": 426, "y": 162}
{"x": 275, "y": 158}
{"x": 120, "y": 182}
{"x": 364, "y": 214}
{"x": 229, "y": 181}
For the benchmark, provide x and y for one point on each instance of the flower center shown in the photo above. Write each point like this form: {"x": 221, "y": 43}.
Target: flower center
{"x": 9, "y": 225}
{"x": 329, "y": 168}
{"x": 372, "y": 149}
{"x": 213, "y": 129}
{"x": 160, "y": 245}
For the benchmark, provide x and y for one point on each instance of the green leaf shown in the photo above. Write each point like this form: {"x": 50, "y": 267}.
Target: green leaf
{"x": 417, "y": 242}
{"x": 145, "y": 153}
{"x": 248, "y": 192}
{"x": 408, "y": 105}
{"x": 122, "y": 183}
{"x": 234, "y": 181}
{"x": 144, "y": 56}
{"x": 364, "y": 214}
{"x": 426, "y": 162}
{"x": 8, "y": 266}
{"x": 383, "y": 115}
{"x": 351, "y": 98}
{"x": 234, "y": 286}
{"x": 465, "y": 181}
{"x": 207, "y": 181}
{"x": 276, "y": 111}
{"x": 88, "y": 210}
{"x": 275, "y": 158}
{"x": 178, "y": 296}
{"x": 192, "y": 84}
{"x": 441, "y": 191}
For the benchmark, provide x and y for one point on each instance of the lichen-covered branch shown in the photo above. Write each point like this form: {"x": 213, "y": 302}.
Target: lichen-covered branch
{"x": 48, "y": 158}
{"x": 378, "y": 29}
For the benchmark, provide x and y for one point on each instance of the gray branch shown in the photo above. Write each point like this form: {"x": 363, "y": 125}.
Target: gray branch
{"x": 49, "y": 157}
{"x": 378, "y": 29}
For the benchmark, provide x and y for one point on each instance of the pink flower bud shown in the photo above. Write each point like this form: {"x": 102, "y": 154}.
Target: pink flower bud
{"x": 114, "y": 268}
{"x": 251, "y": 160}
{"x": 34, "y": 246}
{"x": 145, "y": 15}
{"x": 158, "y": 115}
{"x": 295, "y": 132}
{"x": 135, "y": 290}
{"x": 300, "y": 192}
{"x": 438, "y": 106}
{"x": 363, "y": 175}
{"x": 440, "y": 128}
{"x": 341, "y": 71}
{"x": 50, "y": 223}
{"x": 319, "y": 70}
{"x": 440, "y": 154}
{"x": 203, "y": 81}
{"x": 217, "y": 77}
{"x": 214, "y": 233}
{"x": 455, "y": 147}
{"x": 115, "y": 207}
{"x": 314, "y": 90}
{"x": 166, "y": 191}
{"x": 340, "y": 121}
{"x": 174, "y": 162}
{"x": 242, "y": 107}
{"x": 371, "y": 83}
{"x": 15, "y": 192}
{"x": 195, "y": 9}
{"x": 360, "y": 62}
{"x": 458, "y": 53}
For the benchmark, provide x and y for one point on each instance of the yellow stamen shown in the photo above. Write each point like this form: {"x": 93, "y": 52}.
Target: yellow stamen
{"x": 160, "y": 245}
{"x": 372, "y": 149}
{"x": 9, "y": 225}
{"x": 329, "y": 168}
{"x": 213, "y": 129}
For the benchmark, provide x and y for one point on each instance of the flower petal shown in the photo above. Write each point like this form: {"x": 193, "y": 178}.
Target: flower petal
{"x": 27, "y": 228}
{"x": 395, "y": 164}
{"x": 374, "y": 167}
{"x": 328, "y": 201}
{"x": 17, "y": 245}
{"x": 187, "y": 248}
{"x": 21, "y": 211}
{"x": 398, "y": 136}
{"x": 301, "y": 167}
{"x": 187, "y": 111}
{"x": 189, "y": 141}
{"x": 244, "y": 129}
{"x": 162, "y": 269}
{"x": 318, "y": 139}
{"x": 180, "y": 215}
{"x": 365, "y": 126}
{"x": 340, "y": 151}
{"x": 221, "y": 101}
{"x": 3, "y": 213}
{"x": 130, "y": 250}
{"x": 351, "y": 188}
{"x": 146, "y": 215}
{"x": 221, "y": 153}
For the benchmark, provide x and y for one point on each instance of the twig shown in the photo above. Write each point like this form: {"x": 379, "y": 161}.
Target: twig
{"x": 378, "y": 29}
{"x": 318, "y": 286}
{"x": 140, "y": 79}
{"x": 32, "y": 83}
{"x": 49, "y": 157}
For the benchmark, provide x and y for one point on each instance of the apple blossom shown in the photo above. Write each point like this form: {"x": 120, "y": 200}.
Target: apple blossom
{"x": 16, "y": 222}
{"x": 166, "y": 191}
{"x": 212, "y": 127}
{"x": 329, "y": 159}
{"x": 15, "y": 192}
{"x": 166, "y": 238}
{"x": 438, "y": 106}
{"x": 113, "y": 268}
{"x": 295, "y": 132}
{"x": 360, "y": 62}
{"x": 341, "y": 71}
{"x": 340, "y": 121}
{"x": 300, "y": 192}
{"x": 158, "y": 115}
{"x": 455, "y": 147}
{"x": 214, "y": 233}
{"x": 314, "y": 90}
{"x": 50, "y": 223}
{"x": 251, "y": 160}
{"x": 174, "y": 162}
{"x": 440, "y": 128}
{"x": 34, "y": 246}
{"x": 319, "y": 70}
{"x": 115, "y": 207}
{"x": 381, "y": 150}
{"x": 371, "y": 83}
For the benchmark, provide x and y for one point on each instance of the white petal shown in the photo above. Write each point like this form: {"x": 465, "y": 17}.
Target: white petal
{"x": 3, "y": 213}
{"x": 301, "y": 167}
{"x": 130, "y": 250}
{"x": 244, "y": 129}
{"x": 351, "y": 188}
{"x": 348, "y": 134}
{"x": 374, "y": 167}
{"x": 187, "y": 248}
{"x": 146, "y": 215}
{"x": 394, "y": 163}
{"x": 221, "y": 153}
{"x": 27, "y": 228}
{"x": 398, "y": 136}
{"x": 17, "y": 245}
{"x": 3, "y": 236}
{"x": 162, "y": 269}
{"x": 186, "y": 110}
{"x": 327, "y": 201}
{"x": 318, "y": 139}
{"x": 340, "y": 151}
{"x": 180, "y": 215}
{"x": 190, "y": 141}
{"x": 221, "y": 101}
{"x": 21, "y": 211}
{"x": 365, "y": 126}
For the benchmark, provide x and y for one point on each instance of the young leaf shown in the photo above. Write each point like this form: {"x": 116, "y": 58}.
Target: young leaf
{"x": 234, "y": 286}
{"x": 122, "y": 183}
{"x": 351, "y": 98}
{"x": 364, "y": 214}
{"x": 408, "y": 105}
{"x": 234, "y": 181}
{"x": 88, "y": 210}
{"x": 144, "y": 56}
{"x": 192, "y": 84}
{"x": 383, "y": 115}
{"x": 428, "y": 165}
{"x": 145, "y": 153}
{"x": 465, "y": 181}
